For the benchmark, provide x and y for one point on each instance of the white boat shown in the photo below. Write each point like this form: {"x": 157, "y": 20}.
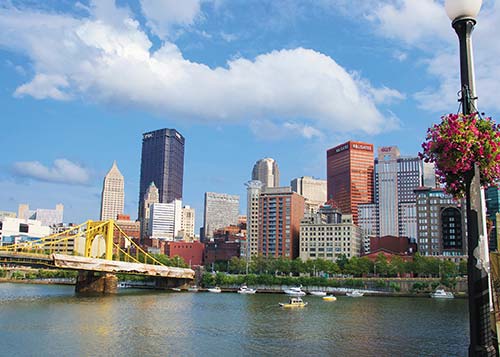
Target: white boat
{"x": 176, "y": 289}
{"x": 354, "y": 293}
{"x": 246, "y": 290}
{"x": 214, "y": 290}
{"x": 441, "y": 294}
{"x": 121, "y": 285}
{"x": 295, "y": 291}
{"x": 318, "y": 293}
{"x": 193, "y": 289}
{"x": 294, "y": 302}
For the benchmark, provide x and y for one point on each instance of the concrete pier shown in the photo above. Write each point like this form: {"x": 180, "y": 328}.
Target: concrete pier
{"x": 89, "y": 282}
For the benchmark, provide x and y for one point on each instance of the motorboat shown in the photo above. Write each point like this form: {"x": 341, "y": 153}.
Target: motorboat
{"x": 294, "y": 302}
{"x": 354, "y": 293}
{"x": 176, "y": 289}
{"x": 193, "y": 289}
{"x": 122, "y": 285}
{"x": 295, "y": 291}
{"x": 329, "y": 298}
{"x": 442, "y": 294}
{"x": 214, "y": 290}
{"x": 318, "y": 293}
{"x": 246, "y": 290}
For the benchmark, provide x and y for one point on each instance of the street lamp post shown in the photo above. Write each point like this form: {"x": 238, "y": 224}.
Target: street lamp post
{"x": 463, "y": 16}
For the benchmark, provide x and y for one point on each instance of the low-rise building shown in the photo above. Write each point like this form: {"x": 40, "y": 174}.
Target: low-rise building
{"x": 328, "y": 234}
{"x": 190, "y": 252}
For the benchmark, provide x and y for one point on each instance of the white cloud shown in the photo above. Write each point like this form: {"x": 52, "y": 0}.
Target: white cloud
{"x": 44, "y": 86}
{"x": 63, "y": 171}
{"x": 416, "y": 22}
{"x": 423, "y": 24}
{"x": 163, "y": 14}
{"x": 106, "y": 57}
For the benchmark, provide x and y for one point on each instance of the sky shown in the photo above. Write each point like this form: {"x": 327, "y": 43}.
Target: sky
{"x": 239, "y": 79}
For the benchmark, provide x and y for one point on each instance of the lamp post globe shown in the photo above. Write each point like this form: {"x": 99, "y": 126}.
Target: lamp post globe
{"x": 457, "y": 9}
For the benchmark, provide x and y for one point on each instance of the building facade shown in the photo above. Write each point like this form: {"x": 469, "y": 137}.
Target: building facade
{"x": 329, "y": 234}
{"x": 191, "y": 252}
{"x": 113, "y": 194}
{"x": 162, "y": 162}
{"x": 254, "y": 188}
{"x": 313, "y": 190}
{"x": 220, "y": 210}
{"x": 165, "y": 220}
{"x": 440, "y": 224}
{"x": 396, "y": 178}
{"x": 350, "y": 176}
{"x": 280, "y": 212}
{"x": 266, "y": 171}
{"x": 47, "y": 217}
{"x": 17, "y": 230}
{"x": 150, "y": 197}
{"x": 187, "y": 223}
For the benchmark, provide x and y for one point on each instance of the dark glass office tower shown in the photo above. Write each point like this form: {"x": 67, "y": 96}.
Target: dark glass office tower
{"x": 162, "y": 162}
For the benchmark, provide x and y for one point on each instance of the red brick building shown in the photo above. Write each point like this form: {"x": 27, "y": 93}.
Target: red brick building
{"x": 131, "y": 228}
{"x": 391, "y": 246}
{"x": 349, "y": 169}
{"x": 220, "y": 250}
{"x": 191, "y": 252}
{"x": 280, "y": 212}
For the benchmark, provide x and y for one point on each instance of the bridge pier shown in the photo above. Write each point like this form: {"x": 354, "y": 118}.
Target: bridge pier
{"x": 166, "y": 283}
{"x": 89, "y": 282}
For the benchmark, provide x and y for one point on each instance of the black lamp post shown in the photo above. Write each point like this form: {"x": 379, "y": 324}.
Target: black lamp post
{"x": 463, "y": 15}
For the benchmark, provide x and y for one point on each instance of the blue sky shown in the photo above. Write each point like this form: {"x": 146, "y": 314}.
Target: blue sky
{"x": 241, "y": 80}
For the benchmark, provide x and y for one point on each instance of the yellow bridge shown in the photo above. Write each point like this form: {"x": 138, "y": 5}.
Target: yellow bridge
{"x": 98, "y": 251}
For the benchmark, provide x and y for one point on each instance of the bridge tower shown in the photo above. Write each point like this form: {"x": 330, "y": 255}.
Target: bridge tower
{"x": 88, "y": 281}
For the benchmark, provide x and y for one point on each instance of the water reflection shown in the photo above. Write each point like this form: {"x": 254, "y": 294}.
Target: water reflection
{"x": 52, "y": 320}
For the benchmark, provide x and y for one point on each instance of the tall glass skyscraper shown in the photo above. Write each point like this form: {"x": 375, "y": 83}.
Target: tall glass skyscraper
{"x": 162, "y": 162}
{"x": 349, "y": 170}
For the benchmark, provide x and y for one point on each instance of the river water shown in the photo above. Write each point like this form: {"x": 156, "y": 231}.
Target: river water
{"x": 44, "y": 320}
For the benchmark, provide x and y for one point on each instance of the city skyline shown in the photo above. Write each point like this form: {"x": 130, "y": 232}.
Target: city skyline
{"x": 393, "y": 73}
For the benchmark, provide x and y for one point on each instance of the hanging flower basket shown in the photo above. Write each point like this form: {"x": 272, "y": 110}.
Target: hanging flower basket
{"x": 456, "y": 144}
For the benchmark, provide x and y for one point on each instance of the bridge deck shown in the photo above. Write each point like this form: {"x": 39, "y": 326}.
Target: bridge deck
{"x": 111, "y": 266}
{"x": 72, "y": 262}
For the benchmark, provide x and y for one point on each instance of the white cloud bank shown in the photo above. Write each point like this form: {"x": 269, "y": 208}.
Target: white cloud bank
{"x": 63, "y": 171}
{"x": 423, "y": 24}
{"x": 107, "y": 57}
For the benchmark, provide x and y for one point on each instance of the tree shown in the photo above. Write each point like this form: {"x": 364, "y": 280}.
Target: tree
{"x": 397, "y": 266}
{"x": 342, "y": 262}
{"x": 297, "y": 266}
{"x": 382, "y": 266}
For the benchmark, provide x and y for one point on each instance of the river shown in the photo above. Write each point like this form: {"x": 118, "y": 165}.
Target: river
{"x": 45, "y": 320}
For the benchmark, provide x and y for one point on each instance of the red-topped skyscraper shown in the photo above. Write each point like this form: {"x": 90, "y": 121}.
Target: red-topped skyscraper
{"x": 349, "y": 171}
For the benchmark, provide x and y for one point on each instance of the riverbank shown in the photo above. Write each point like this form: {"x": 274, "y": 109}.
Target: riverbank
{"x": 36, "y": 281}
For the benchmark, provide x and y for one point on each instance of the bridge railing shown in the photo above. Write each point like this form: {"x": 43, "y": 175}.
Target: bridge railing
{"x": 65, "y": 243}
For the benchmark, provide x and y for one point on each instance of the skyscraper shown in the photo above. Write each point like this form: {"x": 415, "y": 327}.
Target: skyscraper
{"x": 165, "y": 220}
{"x": 254, "y": 189}
{"x": 221, "y": 210}
{"x": 396, "y": 178}
{"x": 280, "y": 212}
{"x": 113, "y": 194}
{"x": 313, "y": 190}
{"x": 187, "y": 222}
{"x": 266, "y": 171}
{"x": 150, "y": 197}
{"x": 162, "y": 162}
{"x": 349, "y": 168}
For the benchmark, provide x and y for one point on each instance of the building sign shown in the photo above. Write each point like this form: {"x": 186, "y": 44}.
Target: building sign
{"x": 147, "y": 136}
{"x": 362, "y": 147}
{"x": 341, "y": 148}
